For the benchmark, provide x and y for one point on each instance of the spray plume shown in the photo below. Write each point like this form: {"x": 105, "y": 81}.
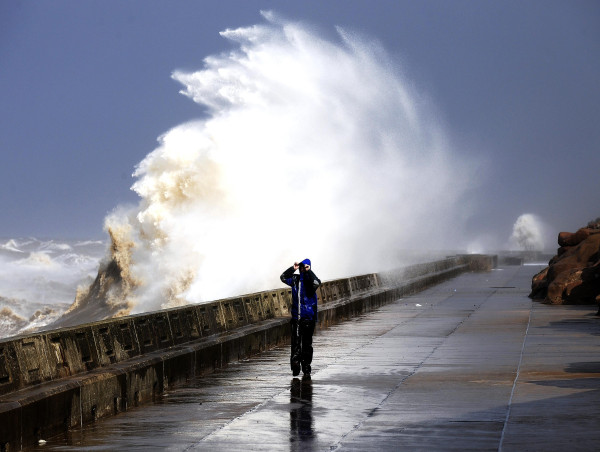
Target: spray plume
{"x": 310, "y": 148}
{"x": 528, "y": 233}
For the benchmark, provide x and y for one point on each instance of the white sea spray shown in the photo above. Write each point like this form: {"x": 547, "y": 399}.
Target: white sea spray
{"x": 311, "y": 147}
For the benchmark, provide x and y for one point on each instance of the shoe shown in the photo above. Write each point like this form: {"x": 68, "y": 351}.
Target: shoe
{"x": 295, "y": 369}
{"x": 306, "y": 377}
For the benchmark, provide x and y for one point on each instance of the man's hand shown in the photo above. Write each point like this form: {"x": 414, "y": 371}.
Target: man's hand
{"x": 296, "y": 265}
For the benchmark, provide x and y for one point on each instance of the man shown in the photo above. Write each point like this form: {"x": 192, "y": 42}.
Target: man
{"x": 304, "y": 314}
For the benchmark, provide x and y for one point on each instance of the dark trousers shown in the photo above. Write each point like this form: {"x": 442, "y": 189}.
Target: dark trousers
{"x": 302, "y": 350}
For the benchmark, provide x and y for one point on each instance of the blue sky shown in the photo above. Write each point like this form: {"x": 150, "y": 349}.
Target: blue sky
{"x": 86, "y": 89}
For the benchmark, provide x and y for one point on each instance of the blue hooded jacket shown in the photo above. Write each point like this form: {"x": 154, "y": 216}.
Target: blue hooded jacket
{"x": 304, "y": 295}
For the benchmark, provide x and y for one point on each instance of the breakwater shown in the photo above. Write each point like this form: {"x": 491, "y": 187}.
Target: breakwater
{"x": 55, "y": 380}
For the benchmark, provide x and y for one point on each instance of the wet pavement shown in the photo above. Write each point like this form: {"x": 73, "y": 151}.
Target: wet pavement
{"x": 470, "y": 364}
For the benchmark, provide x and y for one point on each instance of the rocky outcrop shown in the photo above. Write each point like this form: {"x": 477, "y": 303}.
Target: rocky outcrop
{"x": 573, "y": 275}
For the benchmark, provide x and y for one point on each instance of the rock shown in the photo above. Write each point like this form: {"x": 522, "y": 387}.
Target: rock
{"x": 570, "y": 239}
{"x": 573, "y": 275}
{"x": 539, "y": 284}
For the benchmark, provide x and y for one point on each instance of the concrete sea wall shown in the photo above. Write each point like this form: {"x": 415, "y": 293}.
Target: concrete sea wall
{"x": 55, "y": 380}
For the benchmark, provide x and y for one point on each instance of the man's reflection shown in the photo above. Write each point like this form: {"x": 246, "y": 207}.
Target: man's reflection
{"x": 301, "y": 422}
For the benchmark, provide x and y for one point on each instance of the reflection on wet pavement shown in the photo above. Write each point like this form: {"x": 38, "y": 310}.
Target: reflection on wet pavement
{"x": 301, "y": 421}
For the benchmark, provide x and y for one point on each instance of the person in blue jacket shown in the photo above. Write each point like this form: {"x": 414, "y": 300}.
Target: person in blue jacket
{"x": 304, "y": 314}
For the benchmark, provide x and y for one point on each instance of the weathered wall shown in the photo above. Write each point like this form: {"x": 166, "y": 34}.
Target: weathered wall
{"x": 55, "y": 380}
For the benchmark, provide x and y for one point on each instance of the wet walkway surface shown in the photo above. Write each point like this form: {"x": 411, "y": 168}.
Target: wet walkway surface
{"x": 471, "y": 364}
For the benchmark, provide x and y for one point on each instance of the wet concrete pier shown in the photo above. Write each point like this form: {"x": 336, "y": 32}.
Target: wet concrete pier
{"x": 470, "y": 364}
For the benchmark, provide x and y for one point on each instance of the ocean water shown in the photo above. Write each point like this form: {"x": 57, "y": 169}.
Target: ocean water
{"x": 40, "y": 278}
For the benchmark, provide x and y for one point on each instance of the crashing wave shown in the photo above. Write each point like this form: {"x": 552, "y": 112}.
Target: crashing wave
{"x": 311, "y": 147}
{"x": 38, "y": 283}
